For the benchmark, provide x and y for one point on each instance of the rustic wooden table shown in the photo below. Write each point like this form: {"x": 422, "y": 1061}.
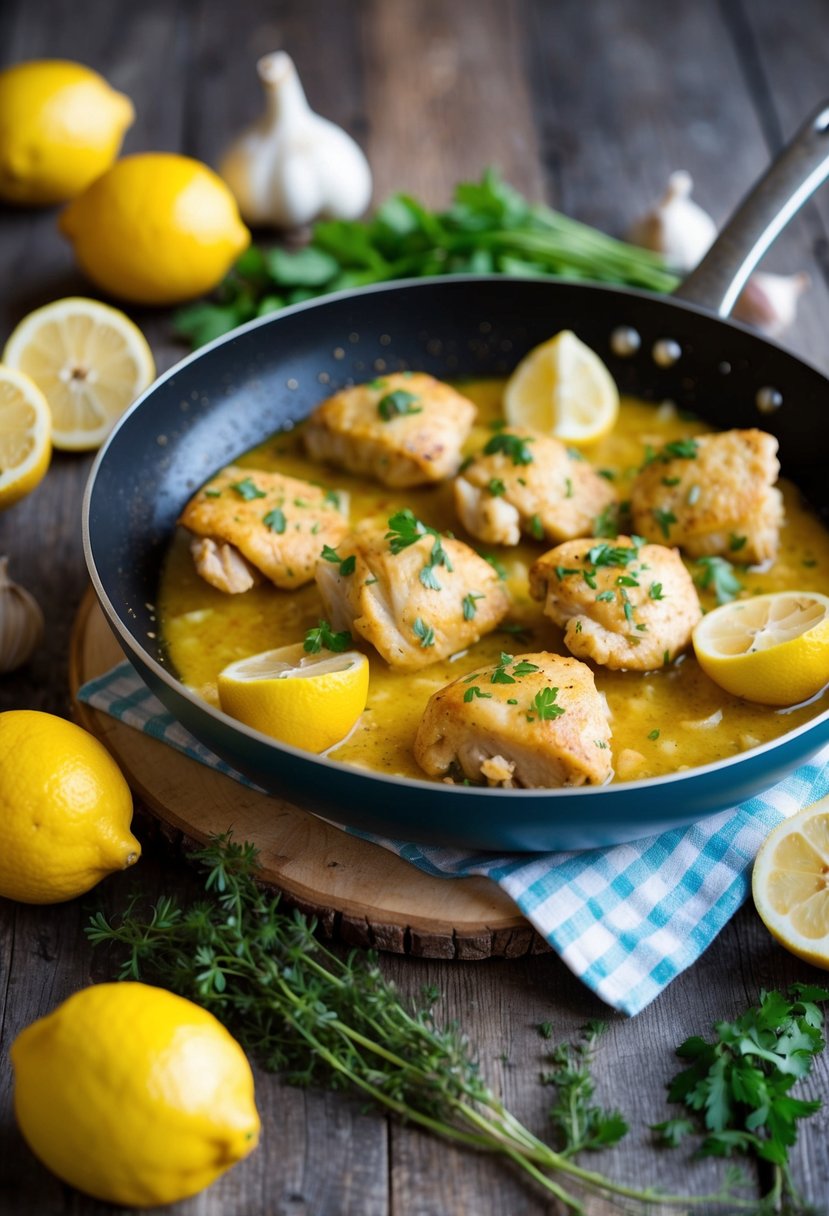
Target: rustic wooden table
{"x": 590, "y": 106}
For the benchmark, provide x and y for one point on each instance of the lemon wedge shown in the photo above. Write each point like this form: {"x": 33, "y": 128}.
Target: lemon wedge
{"x": 89, "y": 361}
{"x": 773, "y": 649}
{"x": 790, "y": 883}
{"x": 308, "y": 700}
{"x": 562, "y": 388}
{"x": 25, "y": 430}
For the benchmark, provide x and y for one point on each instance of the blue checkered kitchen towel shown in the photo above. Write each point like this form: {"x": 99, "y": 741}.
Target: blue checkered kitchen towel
{"x": 626, "y": 919}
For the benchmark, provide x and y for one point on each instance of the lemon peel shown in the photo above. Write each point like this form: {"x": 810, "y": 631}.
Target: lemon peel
{"x": 308, "y": 701}
{"x": 790, "y": 883}
{"x": 25, "y": 436}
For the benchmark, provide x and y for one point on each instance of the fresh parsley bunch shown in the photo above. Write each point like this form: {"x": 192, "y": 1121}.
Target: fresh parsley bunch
{"x": 489, "y": 229}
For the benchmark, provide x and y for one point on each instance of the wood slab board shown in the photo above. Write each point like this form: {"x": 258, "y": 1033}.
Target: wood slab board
{"x": 360, "y": 892}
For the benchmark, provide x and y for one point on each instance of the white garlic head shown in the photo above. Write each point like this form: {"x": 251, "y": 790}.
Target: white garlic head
{"x": 769, "y": 301}
{"x": 675, "y": 226}
{"x": 21, "y": 622}
{"x": 293, "y": 166}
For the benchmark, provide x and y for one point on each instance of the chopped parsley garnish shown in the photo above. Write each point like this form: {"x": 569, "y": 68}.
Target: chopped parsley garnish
{"x": 607, "y": 474}
{"x": 398, "y": 404}
{"x": 613, "y": 555}
{"x": 379, "y": 383}
{"x": 423, "y": 631}
{"x": 536, "y": 527}
{"x": 627, "y": 607}
{"x": 501, "y": 676}
{"x": 406, "y": 529}
{"x": 575, "y": 454}
{"x": 512, "y": 700}
{"x": 475, "y": 691}
{"x": 717, "y": 574}
{"x": 613, "y": 520}
{"x": 654, "y": 734}
{"x": 346, "y": 564}
{"x": 496, "y": 487}
{"x": 589, "y": 577}
{"x": 520, "y": 668}
{"x": 523, "y": 668}
{"x": 247, "y": 489}
{"x": 809, "y": 563}
{"x": 563, "y": 571}
{"x": 429, "y": 578}
{"x": 212, "y": 493}
{"x": 666, "y": 657}
{"x": 324, "y": 638}
{"x": 655, "y": 591}
{"x": 671, "y": 481}
{"x": 736, "y": 543}
{"x": 469, "y": 605}
{"x": 544, "y": 705}
{"x": 511, "y": 445}
{"x": 275, "y": 520}
{"x": 497, "y": 565}
{"x": 625, "y": 580}
{"x": 332, "y": 499}
{"x": 568, "y": 488}
{"x": 679, "y": 449}
{"x": 606, "y": 597}
{"x": 664, "y": 519}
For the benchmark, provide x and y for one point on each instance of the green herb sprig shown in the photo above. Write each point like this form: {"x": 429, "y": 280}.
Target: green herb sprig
{"x": 489, "y": 228}
{"x": 323, "y": 637}
{"x": 717, "y": 575}
{"x": 578, "y": 1122}
{"x": 321, "y": 1019}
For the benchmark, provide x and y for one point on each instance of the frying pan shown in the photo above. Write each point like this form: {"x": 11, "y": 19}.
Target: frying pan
{"x": 270, "y": 374}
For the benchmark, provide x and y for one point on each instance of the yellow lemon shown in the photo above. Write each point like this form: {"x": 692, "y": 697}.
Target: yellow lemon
{"x": 156, "y": 229}
{"x": 773, "y": 649}
{"x": 25, "y": 430}
{"x": 61, "y": 126}
{"x": 65, "y": 810}
{"x": 790, "y": 883}
{"x": 90, "y": 362}
{"x": 562, "y": 388}
{"x": 307, "y": 700}
{"x": 133, "y": 1095}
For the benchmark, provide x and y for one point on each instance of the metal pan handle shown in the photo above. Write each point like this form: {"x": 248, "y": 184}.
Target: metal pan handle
{"x": 789, "y": 182}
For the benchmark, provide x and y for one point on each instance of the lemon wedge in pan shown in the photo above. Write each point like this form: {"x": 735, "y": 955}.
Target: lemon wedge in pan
{"x": 307, "y": 700}
{"x": 773, "y": 649}
{"x": 562, "y": 388}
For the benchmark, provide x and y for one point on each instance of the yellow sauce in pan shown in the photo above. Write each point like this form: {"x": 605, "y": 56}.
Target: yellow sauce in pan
{"x": 696, "y": 721}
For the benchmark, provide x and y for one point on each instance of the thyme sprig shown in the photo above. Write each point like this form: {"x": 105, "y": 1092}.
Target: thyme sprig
{"x": 320, "y": 1019}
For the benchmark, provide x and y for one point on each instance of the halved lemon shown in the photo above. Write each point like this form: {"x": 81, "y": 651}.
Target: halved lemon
{"x": 25, "y": 429}
{"x": 307, "y": 700}
{"x": 89, "y": 361}
{"x": 562, "y": 388}
{"x": 773, "y": 649}
{"x": 790, "y": 883}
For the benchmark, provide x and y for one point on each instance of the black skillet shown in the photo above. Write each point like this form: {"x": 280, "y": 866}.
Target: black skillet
{"x": 269, "y": 374}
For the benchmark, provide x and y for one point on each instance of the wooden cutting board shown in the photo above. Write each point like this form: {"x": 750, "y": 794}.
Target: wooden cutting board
{"x": 361, "y": 893}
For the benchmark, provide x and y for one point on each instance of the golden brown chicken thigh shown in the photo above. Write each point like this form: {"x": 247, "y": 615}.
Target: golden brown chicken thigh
{"x": 405, "y": 429}
{"x": 712, "y": 495}
{"x": 622, "y": 603}
{"x": 528, "y": 482}
{"x": 249, "y": 523}
{"x": 532, "y": 720}
{"x": 416, "y": 596}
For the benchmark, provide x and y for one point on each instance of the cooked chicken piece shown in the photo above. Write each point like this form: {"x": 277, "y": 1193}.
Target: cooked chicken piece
{"x": 713, "y": 495}
{"x": 527, "y": 482}
{"x": 251, "y": 522}
{"x": 535, "y": 721}
{"x": 223, "y": 566}
{"x": 622, "y": 603}
{"x": 404, "y": 429}
{"x": 415, "y": 603}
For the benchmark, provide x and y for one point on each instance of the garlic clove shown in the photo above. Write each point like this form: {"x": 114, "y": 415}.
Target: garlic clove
{"x": 21, "y": 622}
{"x": 769, "y": 301}
{"x": 292, "y": 166}
{"x": 675, "y": 226}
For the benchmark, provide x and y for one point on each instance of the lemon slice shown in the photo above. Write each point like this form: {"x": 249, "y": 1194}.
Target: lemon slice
{"x": 307, "y": 700}
{"x": 562, "y": 388}
{"x": 773, "y": 648}
{"x": 25, "y": 428}
{"x": 790, "y": 883}
{"x": 89, "y": 361}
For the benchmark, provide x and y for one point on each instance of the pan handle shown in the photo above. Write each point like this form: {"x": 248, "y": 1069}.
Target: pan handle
{"x": 788, "y": 183}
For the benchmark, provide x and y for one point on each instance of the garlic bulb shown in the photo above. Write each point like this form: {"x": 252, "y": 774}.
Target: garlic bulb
{"x": 292, "y": 166}
{"x": 675, "y": 226}
{"x": 21, "y": 622}
{"x": 769, "y": 301}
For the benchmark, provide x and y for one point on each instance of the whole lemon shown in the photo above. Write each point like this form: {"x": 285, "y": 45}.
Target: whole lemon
{"x": 157, "y": 228}
{"x": 61, "y": 126}
{"x": 133, "y": 1095}
{"x": 65, "y": 809}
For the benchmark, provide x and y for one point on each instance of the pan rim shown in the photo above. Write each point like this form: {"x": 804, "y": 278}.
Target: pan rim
{"x": 131, "y": 644}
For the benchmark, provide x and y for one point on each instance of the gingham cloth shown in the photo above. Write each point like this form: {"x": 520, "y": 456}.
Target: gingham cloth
{"x": 626, "y": 920}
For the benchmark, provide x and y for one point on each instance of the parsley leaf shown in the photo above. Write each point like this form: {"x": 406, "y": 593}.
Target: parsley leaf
{"x": 323, "y": 637}
{"x": 346, "y": 564}
{"x": 247, "y": 489}
{"x": 511, "y": 445}
{"x": 469, "y": 605}
{"x": 475, "y": 691}
{"x": 275, "y": 520}
{"x": 544, "y": 705}
{"x": 717, "y": 574}
{"x": 496, "y": 487}
{"x": 398, "y": 404}
{"x": 423, "y": 631}
{"x": 664, "y": 519}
